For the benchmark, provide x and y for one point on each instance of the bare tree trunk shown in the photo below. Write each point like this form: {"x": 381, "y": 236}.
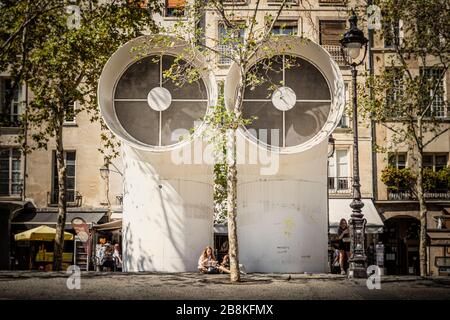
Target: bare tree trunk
{"x": 232, "y": 182}
{"x": 422, "y": 217}
{"x": 232, "y": 207}
{"x": 62, "y": 200}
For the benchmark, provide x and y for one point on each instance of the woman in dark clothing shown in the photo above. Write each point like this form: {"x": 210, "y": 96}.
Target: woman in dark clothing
{"x": 344, "y": 244}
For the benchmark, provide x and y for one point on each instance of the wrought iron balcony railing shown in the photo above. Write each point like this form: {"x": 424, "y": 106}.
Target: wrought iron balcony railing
{"x": 225, "y": 51}
{"x": 335, "y": 52}
{"x": 74, "y": 199}
{"x": 332, "y": 2}
{"x": 438, "y": 194}
{"x": 340, "y": 185}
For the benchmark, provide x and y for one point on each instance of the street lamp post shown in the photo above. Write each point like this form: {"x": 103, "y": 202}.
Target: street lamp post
{"x": 351, "y": 44}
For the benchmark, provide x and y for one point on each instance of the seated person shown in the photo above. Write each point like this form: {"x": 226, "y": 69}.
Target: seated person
{"x": 207, "y": 263}
{"x": 108, "y": 258}
{"x": 225, "y": 265}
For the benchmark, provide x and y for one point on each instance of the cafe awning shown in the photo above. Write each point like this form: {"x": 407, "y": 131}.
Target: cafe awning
{"x": 49, "y": 218}
{"x": 113, "y": 225}
{"x": 340, "y": 208}
{"x": 41, "y": 233}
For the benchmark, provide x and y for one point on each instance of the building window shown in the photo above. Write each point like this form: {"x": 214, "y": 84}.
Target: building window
{"x": 394, "y": 95}
{"x": 289, "y": 27}
{"x": 9, "y": 103}
{"x": 397, "y": 160}
{"x": 344, "y": 123}
{"x": 70, "y": 157}
{"x": 435, "y": 79}
{"x": 10, "y": 172}
{"x": 392, "y": 33}
{"x": 435, "y": 161}
{"x": 175, "y": 8}
{"x": 345, "y": 120}
{"x": 338, "y": 172}
{"x": 225, "y": 47}
{"x": 331, "y": 32}
{"x": 69, "y": 117}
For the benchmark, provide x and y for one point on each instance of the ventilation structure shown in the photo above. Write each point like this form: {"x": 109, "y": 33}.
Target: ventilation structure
{"x": 299, "y": 100}
{"x": 167, "y": 205}
{"x": 147, "y": 109}
{"x": 297, "y": 105}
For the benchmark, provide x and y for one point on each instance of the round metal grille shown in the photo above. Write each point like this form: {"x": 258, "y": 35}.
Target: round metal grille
{"x": 291, "y": 105}
{"x": 153, "y": 109}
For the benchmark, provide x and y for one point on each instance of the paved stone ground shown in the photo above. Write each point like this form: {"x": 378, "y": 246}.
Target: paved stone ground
{"x": 95, "y": 285}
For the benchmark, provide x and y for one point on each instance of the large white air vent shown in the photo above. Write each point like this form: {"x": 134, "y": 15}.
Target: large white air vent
{"x": 300, "y": 100}
{"x": 146, "y": 109}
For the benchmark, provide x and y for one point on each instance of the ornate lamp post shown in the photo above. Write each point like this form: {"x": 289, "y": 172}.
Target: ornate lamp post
{"x": 351, "y": 44}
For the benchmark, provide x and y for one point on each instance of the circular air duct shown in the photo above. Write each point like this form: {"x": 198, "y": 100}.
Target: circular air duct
{"x": 142, "y": 106}
{"x": 301, "y": 98}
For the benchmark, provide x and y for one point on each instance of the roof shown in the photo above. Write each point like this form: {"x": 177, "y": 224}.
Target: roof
{"x": 50, "y": 218}
{"x": 340, "y": 208}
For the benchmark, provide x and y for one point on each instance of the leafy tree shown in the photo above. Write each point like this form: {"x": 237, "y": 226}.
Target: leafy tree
{"x": 60, "y": 54}
{"x": 409, "y": 90}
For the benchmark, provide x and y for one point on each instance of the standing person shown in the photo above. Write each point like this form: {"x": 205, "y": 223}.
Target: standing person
{"x": 344, "y": 244}
{"x": 207, "y": 262}
{"x": 117, "y": 257}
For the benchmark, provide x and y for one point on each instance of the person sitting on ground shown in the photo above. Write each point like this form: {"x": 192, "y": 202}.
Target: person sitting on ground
{"x": 108, "y": 258}
{"x": 207, "y": 263}
{"x": 225, "y": 265}
{"x": 117, "y": 257}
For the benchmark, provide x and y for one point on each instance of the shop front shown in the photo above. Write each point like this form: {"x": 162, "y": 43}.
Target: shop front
{"x": 33, "y": 249}
{"x": 401, "y": 240}
{"x": 340, "y": 209}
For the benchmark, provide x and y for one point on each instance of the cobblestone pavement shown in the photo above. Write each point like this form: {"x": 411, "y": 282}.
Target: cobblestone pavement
{"x": 94, "y": 285}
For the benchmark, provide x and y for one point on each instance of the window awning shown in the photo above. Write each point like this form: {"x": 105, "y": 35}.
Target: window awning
{"x": 340, "y": 208}
{"x": 33, "y": 219}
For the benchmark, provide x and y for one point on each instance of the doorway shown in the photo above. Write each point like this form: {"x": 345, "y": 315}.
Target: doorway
{"x": 401, "y": 240}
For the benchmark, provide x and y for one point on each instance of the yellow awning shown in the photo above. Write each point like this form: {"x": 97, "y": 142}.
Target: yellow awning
{"x": 41, "y": 233}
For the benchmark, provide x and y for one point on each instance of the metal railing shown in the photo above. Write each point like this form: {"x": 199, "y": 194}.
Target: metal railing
{"x": 225, "y": 50}
{"x": 11, "y": 187}
{"x": 340, "y": 185}
{"x": 332, "y": 2}
{"x": 74, "y": 199}
{"x": 438, "y": 194}
{"x": 335, "y": 52}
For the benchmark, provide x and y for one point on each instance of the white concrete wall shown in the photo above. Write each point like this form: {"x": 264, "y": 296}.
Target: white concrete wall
{"x": 167, "y": 212}
{"x": 282, "y": 218}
